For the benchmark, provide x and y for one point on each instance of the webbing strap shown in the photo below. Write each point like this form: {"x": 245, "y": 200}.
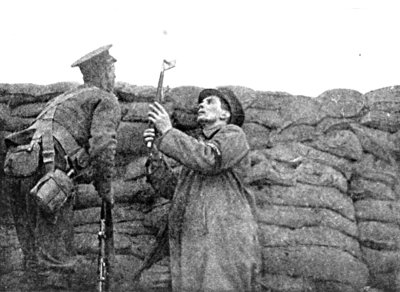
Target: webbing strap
{"x": 44, "y": 131}
{"x": 67, "y": 141}
{"x": 59, "y": 99}
{"x": 48, "y": 152}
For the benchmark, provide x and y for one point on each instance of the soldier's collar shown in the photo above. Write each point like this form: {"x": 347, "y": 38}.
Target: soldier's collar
{"x": 209, "y": 132}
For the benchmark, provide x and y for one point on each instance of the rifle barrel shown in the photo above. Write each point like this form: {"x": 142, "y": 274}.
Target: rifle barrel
{"x": 103, "y": 261}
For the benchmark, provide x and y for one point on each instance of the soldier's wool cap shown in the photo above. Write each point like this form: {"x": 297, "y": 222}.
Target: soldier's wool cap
{"x": 227, "y": 95}
{"x": 101, "y": 52}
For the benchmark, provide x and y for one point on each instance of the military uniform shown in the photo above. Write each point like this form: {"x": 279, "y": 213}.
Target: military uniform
{"x": 91, "y": 116}
{"x": 212, "y": 226}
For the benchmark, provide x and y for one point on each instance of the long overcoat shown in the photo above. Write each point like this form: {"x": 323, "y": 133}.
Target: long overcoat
{"x": 212, "y": 225}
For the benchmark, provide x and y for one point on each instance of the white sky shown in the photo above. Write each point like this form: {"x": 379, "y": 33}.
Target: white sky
{"x": 299, "y": 46}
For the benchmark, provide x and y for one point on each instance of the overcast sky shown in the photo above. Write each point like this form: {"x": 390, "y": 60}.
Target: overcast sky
{"x": 298, "y": 46}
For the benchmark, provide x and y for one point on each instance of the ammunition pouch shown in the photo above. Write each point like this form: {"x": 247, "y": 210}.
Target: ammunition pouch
{"x": 22, "y": 160}
{"x": 23, "y": 154}
{"x": 52, "y": 191}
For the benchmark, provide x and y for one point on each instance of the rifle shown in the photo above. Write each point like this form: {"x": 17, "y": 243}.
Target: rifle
{"x": 106, "y": 246}
{"x": 160, "y": 247}
{"x": 166, "y": 65}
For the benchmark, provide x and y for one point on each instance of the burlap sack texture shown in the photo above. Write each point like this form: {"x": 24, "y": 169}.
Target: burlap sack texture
{"x": 324, "y": 171}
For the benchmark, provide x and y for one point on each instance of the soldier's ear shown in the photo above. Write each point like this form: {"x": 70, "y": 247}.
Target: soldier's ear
{"x": 225, "y": 115}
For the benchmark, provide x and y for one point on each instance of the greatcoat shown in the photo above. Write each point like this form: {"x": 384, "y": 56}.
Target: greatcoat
{"x": 212, "y": 226}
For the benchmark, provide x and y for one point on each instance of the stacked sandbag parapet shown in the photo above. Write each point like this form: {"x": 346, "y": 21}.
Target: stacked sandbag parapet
{"x": 308, "y": 228}
{"x": 375, "y": 187}
{"x": 327, "y": 185}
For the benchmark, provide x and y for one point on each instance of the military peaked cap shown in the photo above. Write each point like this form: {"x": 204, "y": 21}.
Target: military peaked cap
{"x": 96, "y": 53}
{"x": 235, "y": 107}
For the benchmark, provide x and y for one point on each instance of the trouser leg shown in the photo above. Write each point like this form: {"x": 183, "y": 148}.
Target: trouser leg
{"x": 47, "y": 245}
{"x": 24, "y": 215}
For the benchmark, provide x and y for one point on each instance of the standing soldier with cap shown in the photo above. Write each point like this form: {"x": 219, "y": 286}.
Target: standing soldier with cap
{"x": 212, "y": 227}
{"x": 77, "y": 136}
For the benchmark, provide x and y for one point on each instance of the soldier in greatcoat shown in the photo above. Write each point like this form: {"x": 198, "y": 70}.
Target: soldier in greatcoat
{"x": 212, "y": 226}
{"x": 86, "y": 118}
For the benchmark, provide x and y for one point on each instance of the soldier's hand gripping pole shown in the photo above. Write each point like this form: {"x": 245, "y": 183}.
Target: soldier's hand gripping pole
{"x": 166, "y": 65}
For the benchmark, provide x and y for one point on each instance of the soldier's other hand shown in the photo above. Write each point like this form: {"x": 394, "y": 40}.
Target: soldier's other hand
{"x": 149, "y": 135}
{"x": 159, "y": 117}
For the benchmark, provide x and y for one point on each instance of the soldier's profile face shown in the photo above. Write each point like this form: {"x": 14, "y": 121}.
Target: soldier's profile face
{"x": 210, "y": 110}
{"x": 110, "y": 74}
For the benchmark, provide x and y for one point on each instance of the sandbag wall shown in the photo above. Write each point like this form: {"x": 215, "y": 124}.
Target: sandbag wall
{"x": 327, "y": 187}
{"x": 324, "y": 172}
